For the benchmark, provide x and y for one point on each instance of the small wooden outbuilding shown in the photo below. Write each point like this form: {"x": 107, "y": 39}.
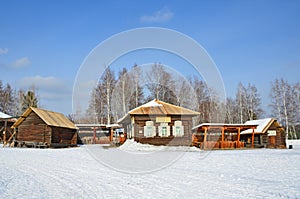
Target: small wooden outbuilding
{"x": 6, "y": 121}
{"x": 100, "y": 134}
{"x": 268, "y": 133}
{"x": 38, "y": 127}
{"x": 159, "y": 123}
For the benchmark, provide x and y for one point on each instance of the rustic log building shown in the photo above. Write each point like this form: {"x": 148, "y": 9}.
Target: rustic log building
{"x": 159, "y": 123}
{"x": 37, "y": 127}
{"x": 261, "y": 133}
{"x": 268, "y": 133}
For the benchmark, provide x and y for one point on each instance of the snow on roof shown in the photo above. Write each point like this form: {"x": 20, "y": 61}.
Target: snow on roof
{"x": 152, "y": 103}
{"x": 4, "y": 116}
{"x": 157, "y": 107}
{"x": 262, "y": 124}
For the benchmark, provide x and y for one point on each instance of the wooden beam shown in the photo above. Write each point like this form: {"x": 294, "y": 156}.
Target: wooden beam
{"x": 223, "y": 135}
{"x": 238, "y": 138}
{"x": 204, "y": 139}
{"x": 10, "y": 137}
{"x": 4, "y": 132}
{"x": 111, "y": 134}
{"x": 94, "y": 135}
{"x": 252, "y": 137}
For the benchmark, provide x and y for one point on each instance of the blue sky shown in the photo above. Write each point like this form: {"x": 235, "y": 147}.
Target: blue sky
{"x": 43, "y": 43}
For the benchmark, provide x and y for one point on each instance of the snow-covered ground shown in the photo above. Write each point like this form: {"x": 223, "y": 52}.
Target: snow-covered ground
{"x": 77, "y": 173}
{"x": 294, "y": 143}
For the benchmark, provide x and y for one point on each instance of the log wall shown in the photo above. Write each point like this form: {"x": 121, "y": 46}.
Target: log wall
{"x": 63, "y": 136}
{"x": 186, "y": 140}
{"x": 34, "y": 129}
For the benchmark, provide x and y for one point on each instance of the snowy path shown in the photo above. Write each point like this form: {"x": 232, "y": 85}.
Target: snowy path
{"x": 74, "y": 173}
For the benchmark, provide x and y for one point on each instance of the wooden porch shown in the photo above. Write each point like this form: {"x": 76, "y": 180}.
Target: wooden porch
{"x": 220, "y": 136}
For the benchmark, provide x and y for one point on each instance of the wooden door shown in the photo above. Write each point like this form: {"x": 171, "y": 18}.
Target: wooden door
{"x": 272, "y": 140}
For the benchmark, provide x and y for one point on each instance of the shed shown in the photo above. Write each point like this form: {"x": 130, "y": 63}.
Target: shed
{"x": 6, "y": 121}
{"x": 159, "y": 123}
{"x": 99, "y": 133}
{"x": 38, "y": 127}
{"x": 268, "y": 133}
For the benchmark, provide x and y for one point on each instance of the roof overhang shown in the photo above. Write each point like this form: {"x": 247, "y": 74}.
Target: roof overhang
{"x": 228, "y": 127}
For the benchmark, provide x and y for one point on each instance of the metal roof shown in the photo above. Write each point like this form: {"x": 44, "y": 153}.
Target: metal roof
{"x": 157, "y": 107}
{"x": 49, "y": 117}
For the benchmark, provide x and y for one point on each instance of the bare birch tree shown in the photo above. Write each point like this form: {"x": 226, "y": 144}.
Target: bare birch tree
{"x": 248, "y": 103}
{"x": 137, "y": 96}
{"x": 104, "y": 93}
{"x": 282, "y": 103}
{"x": 241, "y": 102}
{"x": 162, "y": 84}
{"x": 8, "y": 101}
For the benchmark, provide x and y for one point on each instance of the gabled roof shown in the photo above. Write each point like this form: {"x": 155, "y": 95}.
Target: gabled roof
{"x": 262, "y": 125}
{"x": 49, "y": 117}
{"x": 157, "y": 107}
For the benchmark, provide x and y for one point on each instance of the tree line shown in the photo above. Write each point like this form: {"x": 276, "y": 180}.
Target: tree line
{"x": 14, "y": 102}
{"x": 117, "y": 93}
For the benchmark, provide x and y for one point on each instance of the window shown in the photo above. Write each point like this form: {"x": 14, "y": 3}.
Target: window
{"x": 178, "y": 129}
{"x": 164, "y": 130}
{"x": 149, "y": 129}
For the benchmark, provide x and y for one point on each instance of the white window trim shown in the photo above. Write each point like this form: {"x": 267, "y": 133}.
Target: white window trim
{"x": 160, "y": 130}
{"x": 175, "y": 134}
{"x": 146, "y": 130}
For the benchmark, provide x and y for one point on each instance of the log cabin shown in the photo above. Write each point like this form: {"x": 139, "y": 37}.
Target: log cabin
{"x": 38, "y": 127}
{"x": 268, "y": 134}
{"x": 159, "y": 123}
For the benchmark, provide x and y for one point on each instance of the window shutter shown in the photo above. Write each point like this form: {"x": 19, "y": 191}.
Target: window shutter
{"x": 168, "y": 131}
{"x": 153, "y": 131}
{"x": 160, "y": 131}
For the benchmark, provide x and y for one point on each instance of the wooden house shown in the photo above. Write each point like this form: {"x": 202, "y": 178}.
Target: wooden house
{"x": 37, "y": 127}
{"x": 268, "y": 133}
{"x": 220, "y": 135}
{"x": 6, "y": 121}
{"x": 159, "y": 123}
